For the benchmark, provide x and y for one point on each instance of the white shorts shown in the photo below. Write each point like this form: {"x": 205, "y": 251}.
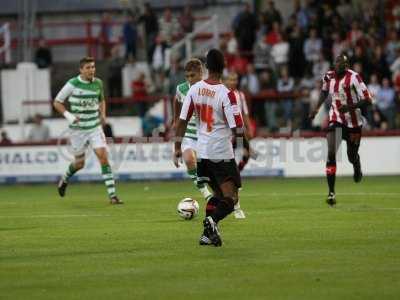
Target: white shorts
{"x": 80, "y": 140}
{"x": 188, "y": 143}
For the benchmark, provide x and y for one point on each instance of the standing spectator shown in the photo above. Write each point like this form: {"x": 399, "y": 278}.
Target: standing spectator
{"x": 130, "y": 35}
{"x": 271, "y": 15}
{"x": 149, "y": 18}
{"x": 186, "y": 20}
{"x": 5, "y": 140}
{"x": 385, "y": 102}
{"x": 274, "y": 35}
{"x": 373, "y": 88}
{"x": 114, "y": 74}
{"x": 296, "y": 54}
{"x": 286, "y": 85}
{"x": 245, "y": 28}
{"x": 43, "y": 56}
{"x": 169, "y": 27}
{"x": 312, "y": 47}
{"x": 139, "y": 94}
{"x": 105, "y": 34}
{"x": 39, "y": 131}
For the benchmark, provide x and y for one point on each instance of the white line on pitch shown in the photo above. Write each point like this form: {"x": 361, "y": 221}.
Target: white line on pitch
{"x": 54, "y": 216}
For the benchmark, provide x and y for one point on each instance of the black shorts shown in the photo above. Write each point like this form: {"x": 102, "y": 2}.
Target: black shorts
{"x": 216, "y": 173}
{"x": 351, "y": 135}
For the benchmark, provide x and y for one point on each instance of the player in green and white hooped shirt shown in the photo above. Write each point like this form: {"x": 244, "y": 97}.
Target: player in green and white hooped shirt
{"x": 87, "y": 114}
{"x": 193, "y": 74}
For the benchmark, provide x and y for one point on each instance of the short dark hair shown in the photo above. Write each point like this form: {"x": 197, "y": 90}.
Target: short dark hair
{"x": 215, "y": 61}
{"x": 193, "y": 65}
{"x": 85, "y": 60}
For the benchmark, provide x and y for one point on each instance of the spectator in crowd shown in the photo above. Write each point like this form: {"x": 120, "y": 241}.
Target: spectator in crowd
{"x": 377, "y": 63}
{"x": 373, "y": 85}
{"x": 245, "y": 28}
{"x": 274, "y": 35}
{"x": 140, "y": 94}
{"x": 130, "y": 35}
{"x": 271, "y": 15}
{"x": 296, "y": 54}
{"x": 186, "y": 20}
{"x": 286, "y": 85}
{"x": 280, "y": 52}
{"x": 320, "y": 67}
{"x": 339, "y": 45}
{"x": 150, "y": 21}
{"x": 385, "y": 102}
{"x": 312, "y": 47}
{"x": 43, "y": 56}
{"x": 39, "y": 131}
{"x": 305, "y": 87}
{"x": 5, "y": 140}
{"x": 114, "y": 74}
{"x": 169, "y": 27}
{"x": 249, "y": 81}
{"x": 391, "y": 46}
{"x": 267, "y": 84}
{"x": 106, "y": 34}
{"x": 321, "y": 117}
{"x": 355, "y": 35}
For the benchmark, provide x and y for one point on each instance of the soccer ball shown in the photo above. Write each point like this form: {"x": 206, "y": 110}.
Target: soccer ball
{"x": 188, "y": 208}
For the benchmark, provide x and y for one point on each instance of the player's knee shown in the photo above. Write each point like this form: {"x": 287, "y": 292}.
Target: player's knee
{"x": 190, "y": 163}
{"x": 79, "y": 164}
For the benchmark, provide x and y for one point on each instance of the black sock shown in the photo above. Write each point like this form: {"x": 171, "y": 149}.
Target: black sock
{"x": 331, "y": 175}
{"x": 224, "y": 208}
{"x": 211, "y": 205}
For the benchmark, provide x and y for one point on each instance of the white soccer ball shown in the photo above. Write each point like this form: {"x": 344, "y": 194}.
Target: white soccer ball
{"x": 188, "y": 208}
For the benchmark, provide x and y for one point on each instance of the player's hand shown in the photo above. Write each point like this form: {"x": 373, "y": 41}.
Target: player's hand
{"x": 177, "y": 157}
{"x": 103, "y": 121}
{"x": 313, "y": 114}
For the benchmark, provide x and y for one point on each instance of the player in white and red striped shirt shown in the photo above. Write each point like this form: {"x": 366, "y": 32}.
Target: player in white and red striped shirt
{"x": 348, "y": 94}
{"x": 217, "y": 117}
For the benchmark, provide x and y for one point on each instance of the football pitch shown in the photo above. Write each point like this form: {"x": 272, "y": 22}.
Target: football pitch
{"x": 290, "y": 246}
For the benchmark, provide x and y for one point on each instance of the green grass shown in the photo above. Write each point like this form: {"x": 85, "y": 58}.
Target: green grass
{"x": 291, "y": 246}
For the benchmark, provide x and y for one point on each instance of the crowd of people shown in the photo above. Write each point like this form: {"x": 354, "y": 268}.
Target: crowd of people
{"x": 293, "y": 56}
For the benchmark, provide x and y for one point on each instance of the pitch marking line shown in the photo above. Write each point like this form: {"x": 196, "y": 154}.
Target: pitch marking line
{"x": 55, "y": 216}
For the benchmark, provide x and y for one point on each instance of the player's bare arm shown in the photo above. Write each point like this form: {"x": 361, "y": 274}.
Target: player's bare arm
{"x": 60, "y": 108}
{"x": 102, "y": 110}
{"x": 180, "y": 132}
{"x": 323, "y": 95}
{"x": 363, "y": 103}
{"x": 177, "y": 111}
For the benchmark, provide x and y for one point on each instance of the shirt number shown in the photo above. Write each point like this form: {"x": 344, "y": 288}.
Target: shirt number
{"x": 206, "y": 115}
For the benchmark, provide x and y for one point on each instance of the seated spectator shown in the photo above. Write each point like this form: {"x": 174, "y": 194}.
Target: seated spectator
{"x": 339, "y": 45}
{"x": 320, "y": 67}
{"x": 249, "y": 81}
{"x": 391, "y": 47}
{"x": 385, "y": 102}
{"x": 43, "y": 56}
{"x": 39, "y": 131}
{"x": 355, "y": 35}
{"x": 280, "y": 52}
{"x": 5, "y": 140}
{"x": 267, "y": 83}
